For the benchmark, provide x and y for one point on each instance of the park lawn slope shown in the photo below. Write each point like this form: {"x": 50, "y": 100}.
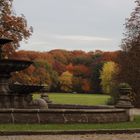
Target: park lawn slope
{"x": 82, "y": 99}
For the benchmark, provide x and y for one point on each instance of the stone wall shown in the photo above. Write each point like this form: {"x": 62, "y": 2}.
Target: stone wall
{"x": 35, "y": 116}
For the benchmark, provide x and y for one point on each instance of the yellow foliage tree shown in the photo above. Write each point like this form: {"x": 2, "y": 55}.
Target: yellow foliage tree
{"x": 107, "y": 74}
{"x": 65, "y": 80}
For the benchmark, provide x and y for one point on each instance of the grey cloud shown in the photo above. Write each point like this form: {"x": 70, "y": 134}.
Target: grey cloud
{"x": 75, "y": 20}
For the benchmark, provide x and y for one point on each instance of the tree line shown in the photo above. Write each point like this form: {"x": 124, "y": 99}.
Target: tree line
{"x": 66, "y": 71}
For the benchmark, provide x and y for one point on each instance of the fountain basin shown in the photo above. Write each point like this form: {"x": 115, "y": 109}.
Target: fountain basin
{"x": 26, "y": 89}
{"x": 7, "y": 66}
{"x": 4, "y": 41}
{"x": 46, "y": 116}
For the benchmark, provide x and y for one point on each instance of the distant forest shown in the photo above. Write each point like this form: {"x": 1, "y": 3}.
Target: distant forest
{"x": 64, "y": 71}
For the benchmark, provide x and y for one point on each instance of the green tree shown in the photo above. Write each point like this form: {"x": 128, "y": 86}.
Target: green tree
{"x": 66, "y": 81}
{"x": 95, "y": 77}
{"x": 12, "y": 26}
{"x": 107, "y": 74}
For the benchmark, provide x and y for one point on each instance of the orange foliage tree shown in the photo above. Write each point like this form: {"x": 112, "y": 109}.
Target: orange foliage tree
{"x": 12, "y": 26}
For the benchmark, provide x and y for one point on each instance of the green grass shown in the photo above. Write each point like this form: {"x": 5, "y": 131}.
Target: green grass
{"x": 43, "y": 127}
{"x": 84, "y": 99}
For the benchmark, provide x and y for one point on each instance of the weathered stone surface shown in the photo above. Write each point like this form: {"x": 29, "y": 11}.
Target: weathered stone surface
{"x": 5, "y": 118}
{"x": 124, "y": 99}
{"x": 63, "y": 116}
{"x": 51, "y": 117}
{"x": 25, "y": 118}
{"x": 76, "y": 106}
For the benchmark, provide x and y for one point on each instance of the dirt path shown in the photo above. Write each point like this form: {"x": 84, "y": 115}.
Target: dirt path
{"x": 75, "y": 137}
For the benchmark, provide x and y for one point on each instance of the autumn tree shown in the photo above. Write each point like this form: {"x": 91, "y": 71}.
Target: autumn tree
{"x": 107, "y": 75}
{"x": 66, "y": 81}
{"x": 86, "y": 87}
{"x": 77, "y": 83}
{"x": 129, "y": 59}
{"x": 48, "y": 75}
{"x": 59, "y": 55}
{"x": 84, "y": 59}
{"x": 59, "y": 67}
{"x": 12, "y": 26}
{"x": 79, "y": 70}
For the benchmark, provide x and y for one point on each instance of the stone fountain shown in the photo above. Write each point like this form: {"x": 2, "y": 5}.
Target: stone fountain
{"x": 15, "y": 95}
{"x": 18, "y": 106}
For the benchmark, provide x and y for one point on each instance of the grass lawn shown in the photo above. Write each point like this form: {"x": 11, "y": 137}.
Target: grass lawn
{"x": 37, "y": 127}
{"x": 84, "y": 99}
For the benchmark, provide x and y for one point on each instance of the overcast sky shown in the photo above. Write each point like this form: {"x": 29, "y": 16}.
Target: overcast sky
{"x": 75, "y": 24}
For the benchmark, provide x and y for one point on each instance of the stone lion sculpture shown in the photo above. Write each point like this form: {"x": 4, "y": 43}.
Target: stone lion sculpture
{"x": 39, "y": 103}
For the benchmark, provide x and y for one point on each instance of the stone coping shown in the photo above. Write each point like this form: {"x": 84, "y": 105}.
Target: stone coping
{"x": 70, "y": 132}
{"x": 61, "y": 110}
{"x": 77, "y": 106}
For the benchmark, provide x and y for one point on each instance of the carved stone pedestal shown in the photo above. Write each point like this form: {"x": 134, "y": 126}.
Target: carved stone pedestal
{"x": 124, "y": 99}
